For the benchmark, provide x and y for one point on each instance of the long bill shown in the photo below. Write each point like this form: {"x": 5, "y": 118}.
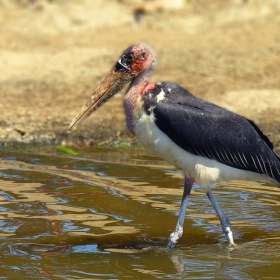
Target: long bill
{"x": 111, "y": 84}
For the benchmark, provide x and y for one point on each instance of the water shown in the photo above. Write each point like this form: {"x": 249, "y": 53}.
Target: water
{"x": 107, "y": 214}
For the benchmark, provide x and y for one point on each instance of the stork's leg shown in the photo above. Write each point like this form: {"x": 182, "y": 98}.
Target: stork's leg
{"x": 223, "y": 218}
{"x": 177, "y": 233}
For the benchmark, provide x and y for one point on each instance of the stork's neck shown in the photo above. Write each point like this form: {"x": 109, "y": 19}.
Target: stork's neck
{"x": 133, "y": 94}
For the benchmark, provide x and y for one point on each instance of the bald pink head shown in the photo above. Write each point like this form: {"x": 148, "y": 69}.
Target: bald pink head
{"x": 138, "y": 58}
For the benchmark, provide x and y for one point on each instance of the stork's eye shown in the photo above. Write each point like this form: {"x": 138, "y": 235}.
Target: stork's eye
{"x": 125, "y": 61}
{"x": 143, "y": 56}
{"x": 129, "y": 56}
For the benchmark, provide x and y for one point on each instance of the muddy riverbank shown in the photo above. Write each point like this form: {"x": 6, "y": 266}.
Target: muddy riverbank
{"x": 53, "y": 55}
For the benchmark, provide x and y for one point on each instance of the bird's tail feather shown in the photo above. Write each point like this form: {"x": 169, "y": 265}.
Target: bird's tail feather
{"x": 277, "y": 173}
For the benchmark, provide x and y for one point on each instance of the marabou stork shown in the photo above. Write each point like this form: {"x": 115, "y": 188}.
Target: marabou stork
{"x": 208, "y": 143}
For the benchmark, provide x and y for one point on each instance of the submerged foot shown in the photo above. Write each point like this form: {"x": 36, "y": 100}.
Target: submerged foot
{"x": 229, "y": 236}
{"x": 174, "y": 237}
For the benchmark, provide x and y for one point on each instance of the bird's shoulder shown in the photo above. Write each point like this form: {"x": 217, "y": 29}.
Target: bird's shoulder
{"x": 175, "y": 98}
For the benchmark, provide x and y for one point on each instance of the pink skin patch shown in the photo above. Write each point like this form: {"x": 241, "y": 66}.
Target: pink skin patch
{"x": 138, "y": 64}
{"x": 147, "y": 87}
{"x": 189, "y": 181}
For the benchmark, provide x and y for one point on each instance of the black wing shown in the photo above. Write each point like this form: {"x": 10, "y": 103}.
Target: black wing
{"x": 210, "y": 131}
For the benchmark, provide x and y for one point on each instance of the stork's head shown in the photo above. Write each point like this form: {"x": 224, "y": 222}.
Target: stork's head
{"x": 133, "y": 61}
{"x": 137, "y": 58}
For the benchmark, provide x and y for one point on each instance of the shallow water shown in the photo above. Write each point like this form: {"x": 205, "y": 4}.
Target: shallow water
{"x": 107, "y": 214}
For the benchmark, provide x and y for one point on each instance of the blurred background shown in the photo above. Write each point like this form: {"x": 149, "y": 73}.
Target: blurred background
{"x": 54, "y": 52}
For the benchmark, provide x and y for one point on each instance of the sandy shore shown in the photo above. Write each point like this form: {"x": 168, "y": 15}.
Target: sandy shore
{"x": 53, "y": 55}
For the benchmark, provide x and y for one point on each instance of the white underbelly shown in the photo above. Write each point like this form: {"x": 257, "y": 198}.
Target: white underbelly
{"x": 203, "y": 170}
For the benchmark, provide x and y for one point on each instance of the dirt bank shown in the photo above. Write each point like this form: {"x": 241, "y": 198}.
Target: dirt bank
{"x": 52, "y": 56}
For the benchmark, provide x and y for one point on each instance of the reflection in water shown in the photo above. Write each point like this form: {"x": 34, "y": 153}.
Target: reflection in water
{"x": 110, "y": 216}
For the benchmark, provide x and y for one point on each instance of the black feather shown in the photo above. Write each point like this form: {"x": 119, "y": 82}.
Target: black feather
{"x": 205, "y": 129}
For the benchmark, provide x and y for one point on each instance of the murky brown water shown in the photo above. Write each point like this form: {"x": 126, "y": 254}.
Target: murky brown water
{"x": 107, "y": 214}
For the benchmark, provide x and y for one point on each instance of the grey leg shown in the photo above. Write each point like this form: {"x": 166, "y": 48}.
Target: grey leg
{"x": 223, "y": 218}
{"x": 177, "y": 233}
